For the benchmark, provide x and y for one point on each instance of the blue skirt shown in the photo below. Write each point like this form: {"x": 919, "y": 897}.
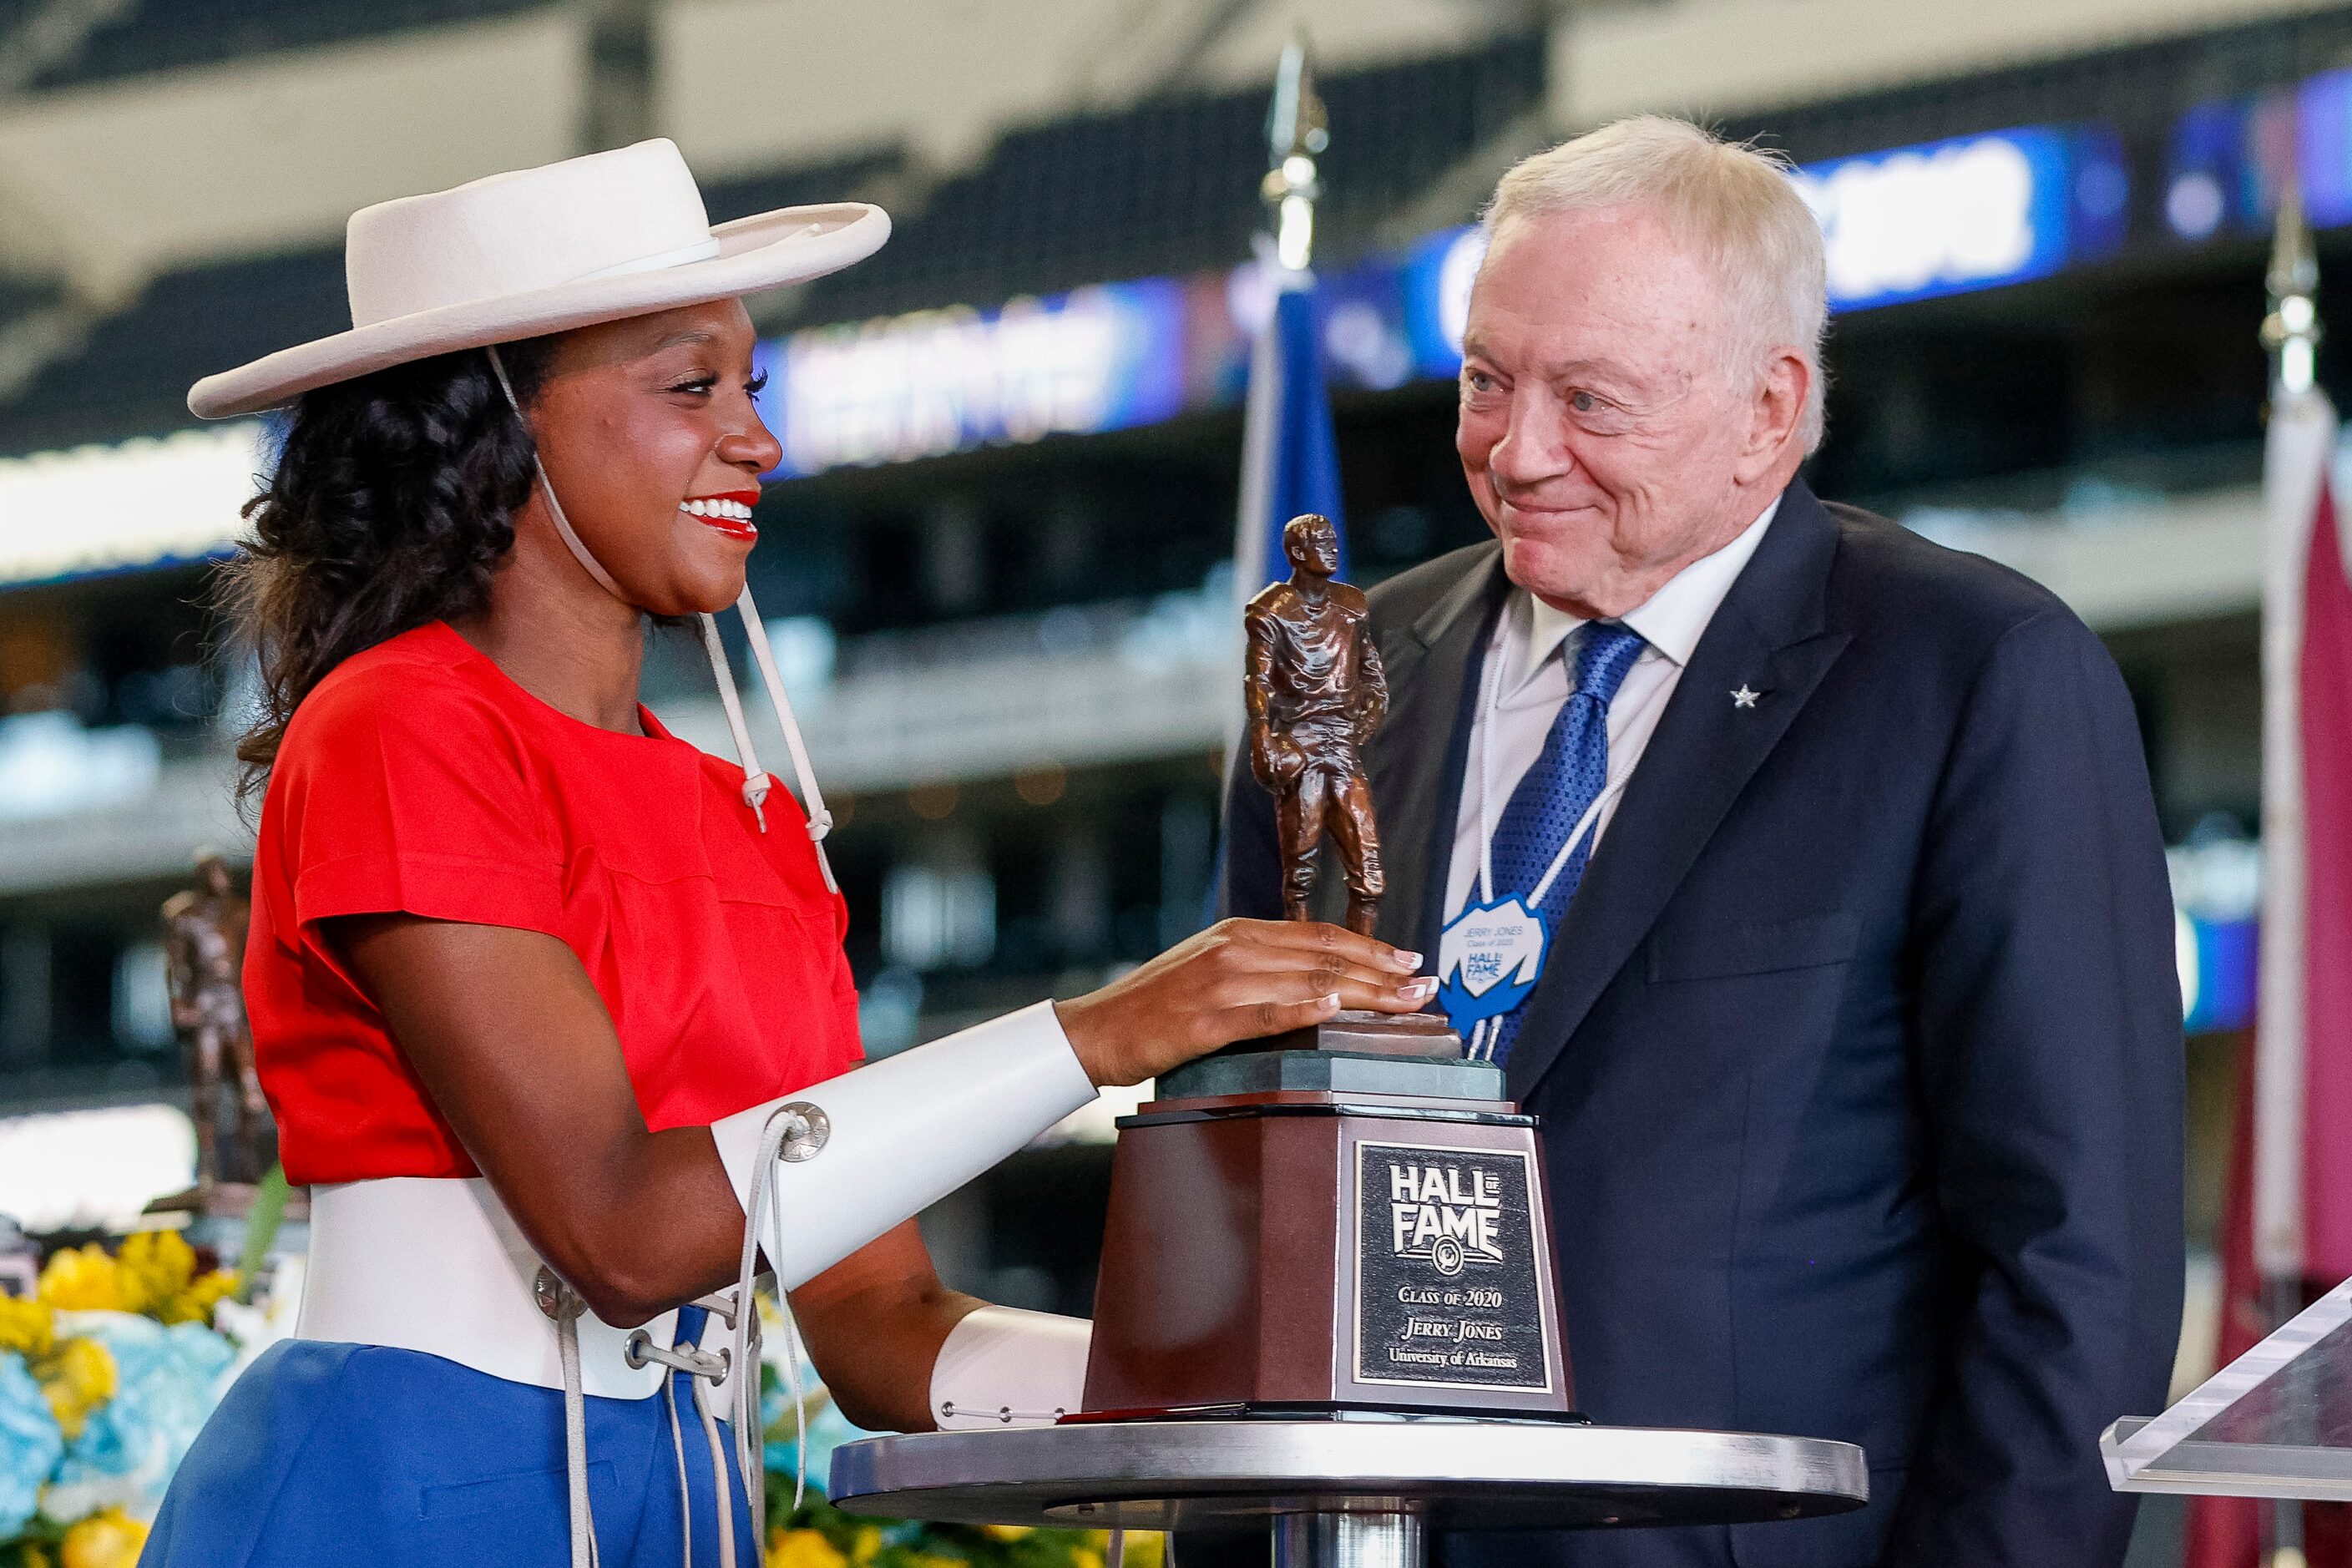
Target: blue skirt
{"x": 357, "y": 1455}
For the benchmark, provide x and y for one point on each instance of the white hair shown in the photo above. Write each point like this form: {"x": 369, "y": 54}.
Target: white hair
{"x": 1732, "y": 203}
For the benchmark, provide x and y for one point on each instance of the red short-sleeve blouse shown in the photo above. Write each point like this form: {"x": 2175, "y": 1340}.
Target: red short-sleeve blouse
{"x": 418, "y": 777}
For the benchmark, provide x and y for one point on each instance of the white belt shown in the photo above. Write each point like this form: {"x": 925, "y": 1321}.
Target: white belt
{"x": 438, "y": 1265}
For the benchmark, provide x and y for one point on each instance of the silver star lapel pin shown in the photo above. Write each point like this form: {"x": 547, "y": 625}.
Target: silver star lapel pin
{"x": 1743, "y": 698}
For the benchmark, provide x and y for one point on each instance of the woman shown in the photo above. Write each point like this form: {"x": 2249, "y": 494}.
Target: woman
{"x": 545, "y": 1000}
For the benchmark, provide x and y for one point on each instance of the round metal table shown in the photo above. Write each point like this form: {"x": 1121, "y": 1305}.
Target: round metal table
{"x": 1348, "y": 1493}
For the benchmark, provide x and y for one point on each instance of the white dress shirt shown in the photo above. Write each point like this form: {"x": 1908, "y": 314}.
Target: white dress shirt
{"x": 1529, "y": 672}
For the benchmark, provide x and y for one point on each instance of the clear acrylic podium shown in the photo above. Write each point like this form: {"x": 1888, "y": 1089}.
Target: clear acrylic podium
{"x": 2275, "y": 1423}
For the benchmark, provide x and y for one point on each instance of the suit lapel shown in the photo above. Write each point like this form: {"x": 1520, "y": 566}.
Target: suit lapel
{"x": 1433, "y": 671}
{"x": 1768, "y": 636}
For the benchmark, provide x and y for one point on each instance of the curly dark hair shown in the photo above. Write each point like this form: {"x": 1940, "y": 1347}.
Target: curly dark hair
{"x": 392, "y": 504}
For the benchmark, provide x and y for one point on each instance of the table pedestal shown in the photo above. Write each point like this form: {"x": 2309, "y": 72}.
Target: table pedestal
{"x": 1349, "y": 1540}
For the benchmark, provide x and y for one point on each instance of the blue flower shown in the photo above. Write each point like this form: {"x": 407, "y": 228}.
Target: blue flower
{"x": 30, "y": 1443}
{"x": 168, "y": 1382}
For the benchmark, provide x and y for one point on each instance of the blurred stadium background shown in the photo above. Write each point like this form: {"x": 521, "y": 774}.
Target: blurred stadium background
{"x": 998, "y": 556}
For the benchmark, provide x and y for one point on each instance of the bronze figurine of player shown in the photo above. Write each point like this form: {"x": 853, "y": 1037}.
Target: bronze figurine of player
{"x": 1316, "y": 694}
{"x": 204, "y": 948}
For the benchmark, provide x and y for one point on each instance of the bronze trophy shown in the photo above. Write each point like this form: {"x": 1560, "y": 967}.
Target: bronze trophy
{"x": 1345, "y": 1217}
{"x": 1316, "y": 694}
{"x": 204, "y": 948}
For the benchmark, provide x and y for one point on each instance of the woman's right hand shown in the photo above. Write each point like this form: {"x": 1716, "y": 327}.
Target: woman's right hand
{"x": 1235, "y": 981}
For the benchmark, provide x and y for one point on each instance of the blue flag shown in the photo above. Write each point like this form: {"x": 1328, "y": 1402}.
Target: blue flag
{"x": 1290, "y": 462}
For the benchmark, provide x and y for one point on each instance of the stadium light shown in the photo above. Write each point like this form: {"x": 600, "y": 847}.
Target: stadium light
{"x": 137, "y": 503}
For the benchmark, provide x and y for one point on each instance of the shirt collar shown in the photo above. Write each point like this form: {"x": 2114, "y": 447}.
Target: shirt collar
{"x": 1671, "y": 621}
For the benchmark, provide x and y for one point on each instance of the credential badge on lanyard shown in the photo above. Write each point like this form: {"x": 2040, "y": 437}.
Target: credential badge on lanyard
{"x": 1490, "y": 956}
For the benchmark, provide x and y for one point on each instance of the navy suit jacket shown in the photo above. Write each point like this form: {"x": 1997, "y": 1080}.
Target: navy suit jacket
{"x": 1858, "y": 1054}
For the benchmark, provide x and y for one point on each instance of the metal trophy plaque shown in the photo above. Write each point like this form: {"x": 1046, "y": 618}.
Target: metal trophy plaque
{"x": 1347, "y": 1217}
{"x": 1449, "y": 1272}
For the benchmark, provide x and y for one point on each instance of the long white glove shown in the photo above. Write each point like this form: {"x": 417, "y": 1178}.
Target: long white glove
{"x": 1004, "y": 1367}
{"x": 825, "y": 1171}
{"x": 900, "y": 1134}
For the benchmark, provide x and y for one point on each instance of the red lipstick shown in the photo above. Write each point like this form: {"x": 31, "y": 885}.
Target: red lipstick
{"x": 728, "y": 511}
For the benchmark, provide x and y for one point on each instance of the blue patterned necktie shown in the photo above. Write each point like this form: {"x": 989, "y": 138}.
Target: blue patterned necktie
{"x": 1557, "y": 789}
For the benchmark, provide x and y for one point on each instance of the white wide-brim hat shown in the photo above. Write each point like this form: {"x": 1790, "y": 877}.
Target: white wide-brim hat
{"x": 590, "y": 240}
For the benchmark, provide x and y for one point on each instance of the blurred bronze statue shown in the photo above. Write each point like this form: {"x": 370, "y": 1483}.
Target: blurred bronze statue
{"x": 203, "y": 945}
{"x": 1316, "y": 694}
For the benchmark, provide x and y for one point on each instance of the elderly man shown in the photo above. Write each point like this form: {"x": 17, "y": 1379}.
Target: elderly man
{"x": 1855, "y": 1037}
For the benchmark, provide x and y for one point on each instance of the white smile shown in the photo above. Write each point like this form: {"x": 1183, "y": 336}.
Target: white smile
{"x": 732, "y": 510}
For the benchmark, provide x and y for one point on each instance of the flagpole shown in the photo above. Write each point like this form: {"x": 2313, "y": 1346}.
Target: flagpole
{"x": 2299, "y": 447}
{"x": 2294, "y": 466}
{"x": 1297, "y": 131}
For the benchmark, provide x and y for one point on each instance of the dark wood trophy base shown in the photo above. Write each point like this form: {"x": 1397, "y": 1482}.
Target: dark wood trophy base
{"x": 1346, "y": 1218}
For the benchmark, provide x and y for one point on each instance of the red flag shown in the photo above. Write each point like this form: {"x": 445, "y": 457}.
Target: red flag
{"x": 2325, "y": 682}
{"x": 2227, "y": 1531}
{"x": 2288, "y": 1226}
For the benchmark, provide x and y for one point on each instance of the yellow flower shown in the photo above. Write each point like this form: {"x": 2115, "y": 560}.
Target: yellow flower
{"x": 1085, "y": 1557}
{"x": 26, "y": 1327}
{"x": 107, "y": 1539}
{"x": 804, "y": 1548}
{"x": 78, "y": 1378}
{"x": 82, "y": 1278}
{"x": 154, "y": 1266}
{"x": 155, "y": 1274}
{"x": 195, "y": 1303}
{"x": 34, "y": 1556}
{"x": 1007, "y": 1531}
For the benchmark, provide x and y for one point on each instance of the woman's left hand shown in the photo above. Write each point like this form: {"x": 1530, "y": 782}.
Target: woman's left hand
{"x": 1237, "y": 980}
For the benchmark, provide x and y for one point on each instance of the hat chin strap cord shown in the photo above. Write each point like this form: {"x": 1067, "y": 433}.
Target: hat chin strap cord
{"x": 756, "y": 781}
{"x": 738, "y": 1309}
{"x": 901, "y": 1135}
